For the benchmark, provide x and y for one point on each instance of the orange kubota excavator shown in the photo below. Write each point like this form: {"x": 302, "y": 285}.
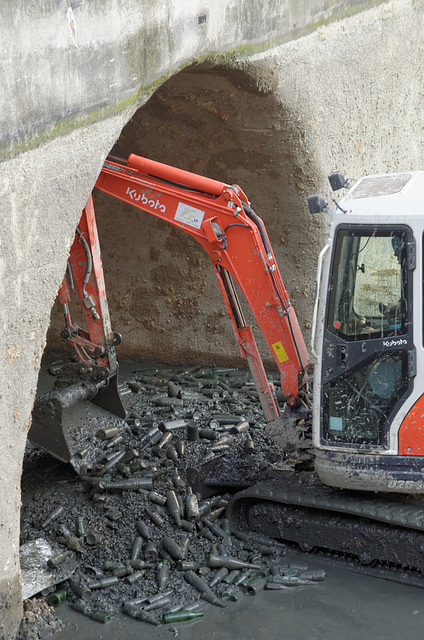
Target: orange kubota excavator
{"x": 220, "y": 218}
{"x": 367, "y": 431}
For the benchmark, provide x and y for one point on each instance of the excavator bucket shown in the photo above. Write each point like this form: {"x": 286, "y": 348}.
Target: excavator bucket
{"x": 85, "y": 394}
{"x": 290, "y": 430}
{"x": 66, "y": 419}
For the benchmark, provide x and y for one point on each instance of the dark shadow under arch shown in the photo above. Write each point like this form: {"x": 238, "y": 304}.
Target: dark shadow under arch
{"x": 161, "y": 287}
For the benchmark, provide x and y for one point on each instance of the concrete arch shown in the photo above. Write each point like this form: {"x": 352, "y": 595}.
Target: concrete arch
{"x": 355, "y": 88}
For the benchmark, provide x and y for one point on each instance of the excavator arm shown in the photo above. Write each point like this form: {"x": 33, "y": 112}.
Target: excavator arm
{"x": 220, "y": 218}
{"x": 85, "y": 274}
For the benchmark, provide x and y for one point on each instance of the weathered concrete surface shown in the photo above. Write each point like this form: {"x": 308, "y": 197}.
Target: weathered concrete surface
{"x": 121, "y": 49}
{"x": 355, "y": 89}
{"x": 346, "y": 112}
{"x": 33, "y": 251}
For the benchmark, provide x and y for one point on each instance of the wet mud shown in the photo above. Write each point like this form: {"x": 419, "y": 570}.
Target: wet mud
{"x": 346, "y": 606}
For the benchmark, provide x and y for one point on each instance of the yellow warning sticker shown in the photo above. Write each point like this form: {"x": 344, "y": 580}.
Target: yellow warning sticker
{"x": 280, "y": 352}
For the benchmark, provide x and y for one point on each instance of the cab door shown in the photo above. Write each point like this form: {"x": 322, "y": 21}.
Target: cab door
{"x": 368, "y": 356}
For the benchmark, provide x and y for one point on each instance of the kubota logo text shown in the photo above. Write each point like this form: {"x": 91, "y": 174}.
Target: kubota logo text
{"x": 153, "y": 204}
{"x": 394, "y": 343}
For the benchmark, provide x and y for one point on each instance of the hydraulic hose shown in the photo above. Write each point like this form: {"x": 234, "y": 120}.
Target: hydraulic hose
{"x": 89, "y": 260}
{"x": 258, "y": 222}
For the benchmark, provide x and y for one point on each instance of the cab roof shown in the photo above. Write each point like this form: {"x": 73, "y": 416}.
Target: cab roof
{"x": 385, "y": 194}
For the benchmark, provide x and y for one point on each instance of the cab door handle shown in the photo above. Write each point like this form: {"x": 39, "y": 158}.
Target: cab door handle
{"x": 342, "y": 355}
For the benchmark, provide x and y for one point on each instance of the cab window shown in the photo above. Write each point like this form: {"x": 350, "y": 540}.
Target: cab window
{"x": 368, "y": 288}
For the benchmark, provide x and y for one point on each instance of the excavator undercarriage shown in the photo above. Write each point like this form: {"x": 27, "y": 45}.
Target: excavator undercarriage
{"x": 298, "y": 508}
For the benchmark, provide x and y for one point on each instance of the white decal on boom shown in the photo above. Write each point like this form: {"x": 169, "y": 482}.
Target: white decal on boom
{"x": 189, "y": 215}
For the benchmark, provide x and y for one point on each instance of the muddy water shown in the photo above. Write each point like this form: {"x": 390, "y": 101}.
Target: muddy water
{"x": 348, "y": 606}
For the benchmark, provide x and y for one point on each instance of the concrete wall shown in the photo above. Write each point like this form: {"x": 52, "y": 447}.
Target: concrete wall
{"x": 351, "y": 92}
{"x": 123, "y": 50}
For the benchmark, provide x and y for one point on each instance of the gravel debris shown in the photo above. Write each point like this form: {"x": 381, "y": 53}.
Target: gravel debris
{"x": 146, "y": 513}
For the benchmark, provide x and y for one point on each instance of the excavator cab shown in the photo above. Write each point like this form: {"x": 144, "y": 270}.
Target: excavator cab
{"x": 366, "y": 387}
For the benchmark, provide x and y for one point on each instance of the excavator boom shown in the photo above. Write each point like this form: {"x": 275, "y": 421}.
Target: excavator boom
{"x": 220, "y": 218}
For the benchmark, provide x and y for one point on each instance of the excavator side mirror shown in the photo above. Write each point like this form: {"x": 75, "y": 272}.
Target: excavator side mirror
{"x": 338, "y": 181}
{"x": 316, "y": 204}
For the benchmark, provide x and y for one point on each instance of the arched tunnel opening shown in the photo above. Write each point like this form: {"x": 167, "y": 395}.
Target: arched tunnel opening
{"x": 162, "y": 291}
{"x": 161, "y": 288}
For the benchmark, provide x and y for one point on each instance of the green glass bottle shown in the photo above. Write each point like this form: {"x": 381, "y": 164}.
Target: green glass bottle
{"x": 181, "y": 616}
{"x": 55, "y": 599}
